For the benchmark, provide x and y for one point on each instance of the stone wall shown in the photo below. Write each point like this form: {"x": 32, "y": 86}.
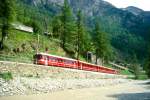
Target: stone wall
{"x": 31, "y": 70}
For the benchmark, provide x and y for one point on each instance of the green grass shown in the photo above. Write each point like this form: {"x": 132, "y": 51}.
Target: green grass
{"x": 143, "y": 77}
{"x": 108, "y": 65}
{"x": 6, "y": 76}
{"x": 18, "y": 38}
{"x": 125, "y": 72}
{"x": 140, "y": 77}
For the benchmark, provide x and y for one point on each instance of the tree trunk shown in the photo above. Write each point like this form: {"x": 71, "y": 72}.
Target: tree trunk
{"x": 103, "y": 61}
{"x": 96, "y": 59}
{"x": 1, "y": 44}
{"x": 4, "y": 33}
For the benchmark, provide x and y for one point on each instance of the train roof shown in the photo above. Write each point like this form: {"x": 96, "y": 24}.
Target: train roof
{"x": 57, "y": 56}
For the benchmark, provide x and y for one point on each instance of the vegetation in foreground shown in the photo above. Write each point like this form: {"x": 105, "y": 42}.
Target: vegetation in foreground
{"x": 6, "y": 75}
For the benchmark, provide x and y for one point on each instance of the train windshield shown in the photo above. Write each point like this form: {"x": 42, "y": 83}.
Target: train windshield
{"x": 39, "y": 56}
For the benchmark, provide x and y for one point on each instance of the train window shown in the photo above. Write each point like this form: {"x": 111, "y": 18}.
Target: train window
{"x": 39, "y": 56}
{"x": 60, "y": 60}
{"x": 45, "y": 57}
{"x": 68, "y": 62}
{"x": 50, "y": 58}
{"x": 53, "y": 59}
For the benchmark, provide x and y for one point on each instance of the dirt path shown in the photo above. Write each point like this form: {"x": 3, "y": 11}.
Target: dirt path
{"x": 138, "y": 90}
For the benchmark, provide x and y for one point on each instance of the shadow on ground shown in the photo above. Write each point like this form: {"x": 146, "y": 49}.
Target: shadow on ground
{"x": 146, "y": 84}
{"x": 132, "y": 96}
{"x": 135, "y": 96}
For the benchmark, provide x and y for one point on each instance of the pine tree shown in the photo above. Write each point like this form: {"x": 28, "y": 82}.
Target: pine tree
{"x": 68, "y": 32}
{"x": 147, "y": 61}
{"x": 83, "y": 38}
{"x": 101, "y": 43}
{"x": 7, "y": 14}
{"x": 56, "y": 24}
{"x": 135, "y": 66}
{"x": 147, "y": 66}
{"x": 80, "y": 32}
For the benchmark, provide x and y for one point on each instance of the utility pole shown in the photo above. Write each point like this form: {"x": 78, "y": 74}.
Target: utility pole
{"x": 78, "y": 32}
{"x": 78, "y": 46}
{"x": 38, "y": 38}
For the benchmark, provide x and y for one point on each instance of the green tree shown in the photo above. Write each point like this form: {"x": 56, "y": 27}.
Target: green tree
{"x": 7, "y": 14}
{"x": 101, "y": 43}
{"x": 135, "y": 66}
{"x": 83, "y": 37}
{"x": 147, "y": 61}
{"x": 37, "y": 28}
{"x": 86, "y": 42}
{"x": 147, "y": 66}
{"x": 56, "y": 26}
{"x": 80, "y": 32}
{"x": 68, "y": 32}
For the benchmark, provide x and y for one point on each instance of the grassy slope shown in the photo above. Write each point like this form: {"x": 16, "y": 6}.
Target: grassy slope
{"x": 16, "y": 39}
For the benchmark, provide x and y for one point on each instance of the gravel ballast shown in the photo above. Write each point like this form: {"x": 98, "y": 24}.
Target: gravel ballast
{"x": 25, "y": 85}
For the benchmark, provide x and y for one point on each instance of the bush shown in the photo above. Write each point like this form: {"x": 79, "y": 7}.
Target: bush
{"x": 142, "y": 77}
{"x": 6, "y": 75}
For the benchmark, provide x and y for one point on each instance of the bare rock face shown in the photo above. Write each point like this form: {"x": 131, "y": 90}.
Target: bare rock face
{"x": 115, "y": 19}
{"x": 128, "y": 18}
{"x": 89, "y": 7}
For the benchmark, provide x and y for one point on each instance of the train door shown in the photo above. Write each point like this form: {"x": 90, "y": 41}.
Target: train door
{"x": 73, "y": 64}
{"x": 66, "y": 63}
{"x": 60, "y": 62}
{"x": 39, "y": 59}
{"x": 46, "y": 60}
{"x": 49, "y": 61}
{"x": 54, "y": 61}
{"x": 80, "y": 65}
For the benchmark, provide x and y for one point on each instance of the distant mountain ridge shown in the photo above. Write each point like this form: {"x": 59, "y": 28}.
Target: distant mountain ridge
{"x": 134, "y": 10}
{"x": 129, "y": 18}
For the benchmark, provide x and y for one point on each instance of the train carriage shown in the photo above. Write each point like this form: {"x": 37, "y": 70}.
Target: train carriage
{"x": 52, "y": 60}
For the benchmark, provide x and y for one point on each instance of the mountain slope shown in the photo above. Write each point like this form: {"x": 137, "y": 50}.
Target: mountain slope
{"x": 128, "y": 18}
{"x": 127, "y": 27}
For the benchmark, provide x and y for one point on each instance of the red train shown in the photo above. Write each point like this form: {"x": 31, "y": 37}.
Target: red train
{"x": 52, "y": 60}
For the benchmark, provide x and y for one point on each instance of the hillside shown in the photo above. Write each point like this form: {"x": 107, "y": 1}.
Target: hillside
{"x": 126, "y": 28}
{"x": 123, "y": 25}
{"x": 21, "y": 46}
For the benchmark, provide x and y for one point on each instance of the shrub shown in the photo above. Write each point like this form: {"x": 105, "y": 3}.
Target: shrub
{"x": 6, "y": 75}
